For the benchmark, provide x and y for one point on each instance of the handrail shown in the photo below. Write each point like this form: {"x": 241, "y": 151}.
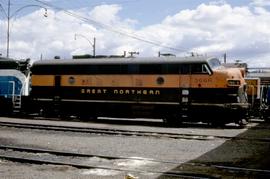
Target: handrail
{"x": 253, "y": 92}
{"x": 13, "y": 90}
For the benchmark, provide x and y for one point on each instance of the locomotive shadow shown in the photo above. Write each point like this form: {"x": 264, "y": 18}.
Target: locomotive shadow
{"x": 160, "y": 123}
{"x": 132, "y": 122}
{"x": 249, "y": 153}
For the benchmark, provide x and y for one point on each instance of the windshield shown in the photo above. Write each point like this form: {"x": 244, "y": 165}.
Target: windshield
{"x": 214, "y": 63}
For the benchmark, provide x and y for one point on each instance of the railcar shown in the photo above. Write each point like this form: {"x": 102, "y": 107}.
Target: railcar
{"x": 14, "y": 84}
{"x": 175, "y": 89}
{"x": 258, "y": 82}
{"x": 254, "y": 95}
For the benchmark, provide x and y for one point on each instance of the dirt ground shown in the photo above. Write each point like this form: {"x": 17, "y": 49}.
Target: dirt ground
{"x": 247, "y": 156}
{"x": 231, "y": 159}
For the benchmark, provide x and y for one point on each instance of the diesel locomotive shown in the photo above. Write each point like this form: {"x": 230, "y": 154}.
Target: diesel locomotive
{"x": 14, "y": 84}
{"x": 175, "y": 89}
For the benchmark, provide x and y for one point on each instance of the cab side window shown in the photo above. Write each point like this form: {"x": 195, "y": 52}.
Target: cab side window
{"x": 199, "y": 69}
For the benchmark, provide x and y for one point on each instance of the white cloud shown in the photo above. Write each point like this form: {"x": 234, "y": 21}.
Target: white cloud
{"x": 216, "y": 29}
{"x": 242, "y": 32}
{"x": 219, "y": 2}
{"x": 106, "y": 14}
{"x": 261, "y": 2}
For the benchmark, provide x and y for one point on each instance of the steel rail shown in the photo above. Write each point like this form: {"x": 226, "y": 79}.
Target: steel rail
{"x": 115, "y": 132}
{"x": 82, "y": 166}
{"x": 76, "y": 154}
{"x": 118, "y": 132}
{"x": 88, "y": 166}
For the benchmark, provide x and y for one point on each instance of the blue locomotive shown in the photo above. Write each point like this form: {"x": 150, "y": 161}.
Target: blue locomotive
{"x": 14, "y": 84}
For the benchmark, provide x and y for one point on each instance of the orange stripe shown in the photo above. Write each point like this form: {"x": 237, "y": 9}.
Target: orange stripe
{"x": 144, "y": 81}
{"x": 42, "y": 80}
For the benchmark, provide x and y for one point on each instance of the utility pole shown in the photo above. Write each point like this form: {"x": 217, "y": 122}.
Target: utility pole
{"x": 93, "y": 45}
{"x": 9, "y": 16}
{"x": 133, "y": 53}
{"x": 8, "y": 28}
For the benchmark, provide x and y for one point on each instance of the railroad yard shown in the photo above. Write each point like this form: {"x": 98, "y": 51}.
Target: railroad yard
{"x": 183, "y": 96}
{"x": 117, "y": 148}
{"x": 54, "y": 127}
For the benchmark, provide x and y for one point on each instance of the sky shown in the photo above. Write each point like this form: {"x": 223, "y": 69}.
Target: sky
{"x": 241, "y": 28}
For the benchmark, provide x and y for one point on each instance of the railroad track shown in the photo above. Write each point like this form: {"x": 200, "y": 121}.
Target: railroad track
{"x": 135, "y": 133}
{"x": 55, "y": 157}
{"x": 69, "y": 159}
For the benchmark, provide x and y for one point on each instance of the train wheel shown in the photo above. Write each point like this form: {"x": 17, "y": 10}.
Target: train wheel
{"x": 218, "y": 124}
{"x": 242, "y": 123}
{"x": 87, "y": 117}
{"x": 65, "y": 116}
{"x": 168, "y": 122}
{"x": 218, "y": 121}
{"x": 93, "y": 117}
{"x": 84, "y": 117}
{"x": 172, "y": 121}
{"x": 47, "y": 113}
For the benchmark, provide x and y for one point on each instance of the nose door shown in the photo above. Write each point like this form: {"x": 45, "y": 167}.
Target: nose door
{"x": 184, "y": 89}
{"x": 57, "y": 85}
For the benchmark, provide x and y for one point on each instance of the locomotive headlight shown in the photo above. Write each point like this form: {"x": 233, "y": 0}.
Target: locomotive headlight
{"x": 233, "y": 82}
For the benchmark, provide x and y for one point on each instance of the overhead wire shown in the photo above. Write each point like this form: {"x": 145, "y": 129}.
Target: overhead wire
{"x": 108, "y": 27}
